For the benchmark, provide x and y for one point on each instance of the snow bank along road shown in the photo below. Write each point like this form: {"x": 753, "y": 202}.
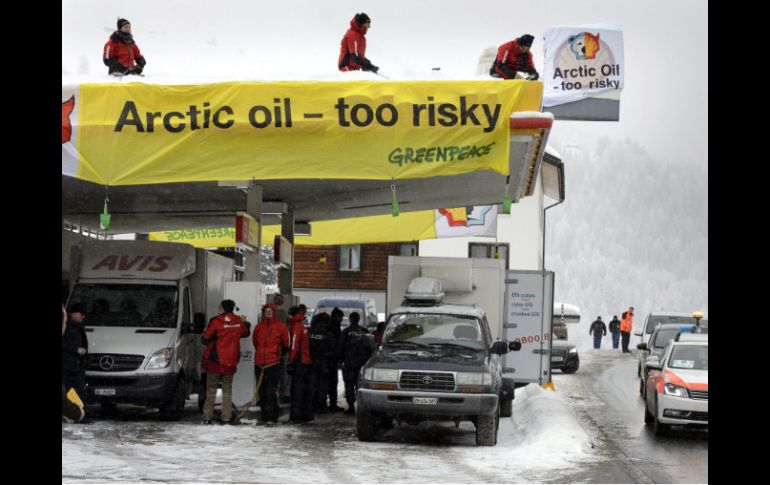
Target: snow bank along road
{"x": 540, "y": 443}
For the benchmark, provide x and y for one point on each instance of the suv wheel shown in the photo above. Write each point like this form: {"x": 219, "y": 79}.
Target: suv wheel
{"x": 648, "y": 418}
{"x": 570, "y": 369}
{"x": 486, "y": 430}
{"x": 641, "y": 386}
{"x": 367, "y": 427}
{"x": 660, "y": 428}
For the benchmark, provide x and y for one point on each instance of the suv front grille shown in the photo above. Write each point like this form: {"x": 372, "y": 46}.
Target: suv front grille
{"x": 427, "y": 381}
{"x": 120, "y": 362}
{"x": 702, "y": 395}
{"x": 558, "y": 352}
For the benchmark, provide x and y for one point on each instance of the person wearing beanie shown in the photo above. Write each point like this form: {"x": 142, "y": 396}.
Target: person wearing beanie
{"x": 615, "y": 331}
{"x": 353, "y": 46}
{"x": 599, "y": 330}
{"x": 121, "y": 54}
{"x": 74, "y": 351}
{"x": 514, "y": 57}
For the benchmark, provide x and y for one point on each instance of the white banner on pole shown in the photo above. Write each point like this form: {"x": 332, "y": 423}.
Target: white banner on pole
{"x": 582, "y": 61}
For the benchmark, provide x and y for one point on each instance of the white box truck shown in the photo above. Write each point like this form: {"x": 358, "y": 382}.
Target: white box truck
{"x": 147, "y": 304}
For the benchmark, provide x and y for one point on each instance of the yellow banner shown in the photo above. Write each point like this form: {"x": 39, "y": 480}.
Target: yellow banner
{"x": 137, "y": 133}
{"x": 223, "y": 237}
{"x": 408, "y": 226}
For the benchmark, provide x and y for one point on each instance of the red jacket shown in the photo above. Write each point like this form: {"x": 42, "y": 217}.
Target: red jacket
{"x": 224, "y": 334}
{"x": 353, "y": 42}
{"x": 127, "y": 54}
{"x": 299, "y": 339}
{"x": 510, "y": 54}
{"x": 270, "y": 338}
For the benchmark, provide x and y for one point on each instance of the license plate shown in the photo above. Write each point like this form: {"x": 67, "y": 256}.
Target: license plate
{"x": 104, "y": 392}
{"x": 425, "y": 400}
{"x": 557, "y": 359}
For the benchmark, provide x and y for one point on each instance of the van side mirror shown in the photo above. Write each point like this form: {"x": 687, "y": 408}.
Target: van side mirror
{"x": 653, "y": 363}
{"x": 514, "y": 346}
{"x": 199, "y": 322}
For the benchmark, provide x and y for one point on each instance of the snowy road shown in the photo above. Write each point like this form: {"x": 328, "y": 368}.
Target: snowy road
{"x": 590, "y": 430}
{"x": 540, "y": 443}
{"x": 605, "y": 396}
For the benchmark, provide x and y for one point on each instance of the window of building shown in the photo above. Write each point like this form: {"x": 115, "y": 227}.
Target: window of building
{"x": 350, "y": 258}
{"x": 409, "y": 249}
{"x": 489, "y": 250}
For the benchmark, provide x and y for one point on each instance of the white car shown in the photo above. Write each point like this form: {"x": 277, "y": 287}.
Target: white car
{"x": 677, "y": 386}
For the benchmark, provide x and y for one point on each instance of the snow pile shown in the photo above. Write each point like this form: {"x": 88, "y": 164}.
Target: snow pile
{"x": 541, "y": 441}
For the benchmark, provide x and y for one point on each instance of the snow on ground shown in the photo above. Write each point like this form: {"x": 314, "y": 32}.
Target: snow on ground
{"x": 540, "y": 441}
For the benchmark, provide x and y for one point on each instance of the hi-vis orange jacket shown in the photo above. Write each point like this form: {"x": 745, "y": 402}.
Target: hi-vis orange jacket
{"x": 627, "y": 323}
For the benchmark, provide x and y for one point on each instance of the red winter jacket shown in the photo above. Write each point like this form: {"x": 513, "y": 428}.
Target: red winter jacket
{"x": 126, "y": 53}
{"x": 270, "y": 338}
{"x": 510, "y": 54}
{"x": 223, "y": 351}
{"x": 353, "y": 43}
{"x": 299, "y": 339}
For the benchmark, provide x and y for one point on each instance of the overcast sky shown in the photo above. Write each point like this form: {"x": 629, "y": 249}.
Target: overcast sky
{"x": 664, "y": 105}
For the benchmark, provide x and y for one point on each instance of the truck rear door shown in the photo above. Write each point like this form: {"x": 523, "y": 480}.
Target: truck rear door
{"x": 528, "y": 319}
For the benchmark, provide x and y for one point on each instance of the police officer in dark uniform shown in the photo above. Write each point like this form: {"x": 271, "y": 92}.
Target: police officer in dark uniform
{"x": 356, "y": 345}
{"x": 321, "y": 353}
{"x": 334, "y": 364}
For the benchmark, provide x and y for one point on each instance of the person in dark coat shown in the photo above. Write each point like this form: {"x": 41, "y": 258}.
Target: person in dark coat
{"x": 322, "y": 347}
{"x": 334, "y": 364}
{"x": 70, "y": 411}
{"x": 121, "y": 54}
{"x": 615, "y": 331}
{"x": 300, "y": 368}
{"x": 353, "y": 46}
{"x": 74, "y": 351}
{"x": 355, "y": 347}
{"x": 598, "y": 329}
{"x": 514, "y": 57}
{"x": 377, "y": 333}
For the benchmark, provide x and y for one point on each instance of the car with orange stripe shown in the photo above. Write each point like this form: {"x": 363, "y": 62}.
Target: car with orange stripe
{"x": 677, "y": 384}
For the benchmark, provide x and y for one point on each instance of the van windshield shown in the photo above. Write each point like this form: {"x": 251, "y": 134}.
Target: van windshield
{"x": 431, "y": 329}
{"x": 125, "y": 305}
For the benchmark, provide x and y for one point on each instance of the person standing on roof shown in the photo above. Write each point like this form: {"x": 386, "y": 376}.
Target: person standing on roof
{"x": 300, "y": 368}
{"x": 599, "y": 330}
{"x": 222, "y": 339}
{"x": 121, "y": 54}
{"x": 615, "y": 331}
{"x": 625, "y": 328}
{"x": 514, "y": 57}
{"x": 353, "y": 46}
{"x": 271, "y": 338}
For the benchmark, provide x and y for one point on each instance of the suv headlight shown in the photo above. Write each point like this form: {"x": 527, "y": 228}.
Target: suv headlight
{"x": 674, "y": 390}
{"x": 573, "y": 350}
{"x": 381, "y": 375}
{"x": 160, "y": 359}
{"x": 473, "y": 378}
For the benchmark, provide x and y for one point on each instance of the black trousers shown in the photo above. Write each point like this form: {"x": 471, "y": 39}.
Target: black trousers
{"x": 319, "y": 382}
{"x": 625, "y": 337}
{"x": 301, "y": 393}
{"x": 332, "y": 381}
{"x": 76, "y": 379}
{"x": 350, "y": 376}
{"x": 268, "y": 391}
